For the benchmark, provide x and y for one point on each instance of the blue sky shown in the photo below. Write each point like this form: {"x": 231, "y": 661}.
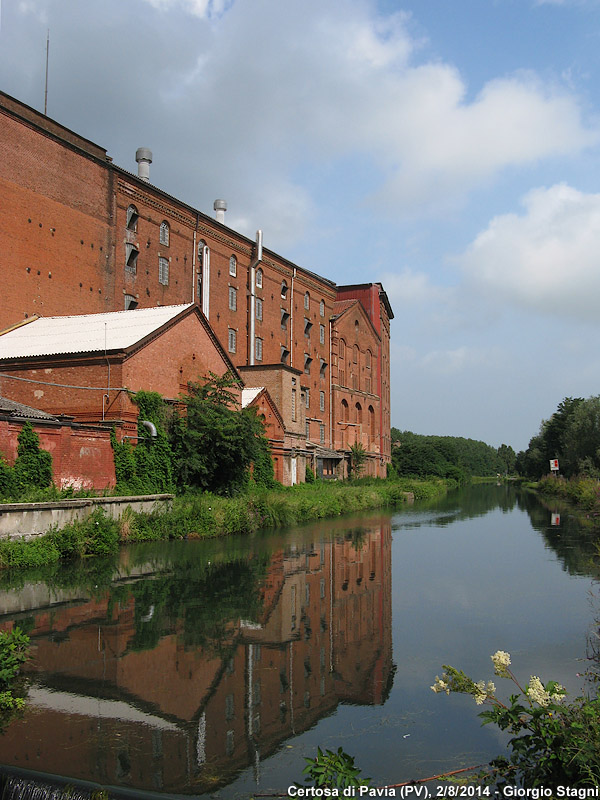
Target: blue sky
{"x": 447, "y": 148}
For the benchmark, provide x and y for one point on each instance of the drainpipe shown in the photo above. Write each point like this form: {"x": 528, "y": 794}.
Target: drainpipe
{"x": 256, "y": 261}
{"x": 194, "y": 261}
{"x": 331, "y": 442}
{"x": 292, "y": 320}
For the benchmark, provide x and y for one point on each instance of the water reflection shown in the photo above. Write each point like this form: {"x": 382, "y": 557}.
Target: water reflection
{"x": 197, "y": 660}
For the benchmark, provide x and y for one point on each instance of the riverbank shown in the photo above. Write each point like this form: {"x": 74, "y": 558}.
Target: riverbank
{"x": 196, "y": 516}
{"x": 580, "y": 494}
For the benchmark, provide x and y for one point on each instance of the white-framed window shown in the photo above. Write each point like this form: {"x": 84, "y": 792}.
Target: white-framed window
{"x": 232, "y": 299}
{"x": 293, "y": 405}
{"x": 258, "y": 349}
{"x": 132, "y": 218}
{"x": 307, "y": 430}
{"x": 163, "y": 271}
{"x": 232, "y": 340}
{"x": 131, "y": 257}
{"x": 259, "y": 308}
{"x": 284, "y": 289}
{"x": 163, "y": 235}
{"x": 259, "y": 278}
{"x": 233, "y": 266}
{"x": 322, "y": 334}
{"x": 322, "y": 308}
{"x": 307, "y": 397}
{"x": 321, "y": 433}
{"x": 130, "y": 302}
{"x": 322, "y": 401}
{"x": 307, "y": 301}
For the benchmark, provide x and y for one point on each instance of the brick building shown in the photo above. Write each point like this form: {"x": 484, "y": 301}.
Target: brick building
{"x": 81, "y": 235}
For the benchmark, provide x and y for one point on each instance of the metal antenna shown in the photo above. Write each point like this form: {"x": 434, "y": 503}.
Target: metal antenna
{"x": 46, "y": 90}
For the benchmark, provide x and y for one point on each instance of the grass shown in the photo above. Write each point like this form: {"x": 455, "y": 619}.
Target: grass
{"x": 203, "y": 515}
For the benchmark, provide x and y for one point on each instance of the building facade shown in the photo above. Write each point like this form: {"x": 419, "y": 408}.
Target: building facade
{"x": 81, "y": 235}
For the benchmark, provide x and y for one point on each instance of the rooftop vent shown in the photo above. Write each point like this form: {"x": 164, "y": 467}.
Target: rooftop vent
{"x": 220, "y": 207}
{"x": 143, "y": 156}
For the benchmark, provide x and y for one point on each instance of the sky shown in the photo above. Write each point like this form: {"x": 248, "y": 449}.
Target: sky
{"x": 446, "y": 148}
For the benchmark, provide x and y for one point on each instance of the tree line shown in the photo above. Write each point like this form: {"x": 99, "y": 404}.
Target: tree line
{"x": 448, "y": 456}
{"x": 571, "y": 435}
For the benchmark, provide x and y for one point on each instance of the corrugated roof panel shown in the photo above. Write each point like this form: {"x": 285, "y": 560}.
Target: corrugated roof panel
{"x": 85, "y": 333}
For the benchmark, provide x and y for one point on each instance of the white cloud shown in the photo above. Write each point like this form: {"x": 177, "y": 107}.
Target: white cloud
{"x": 546, "y": 259}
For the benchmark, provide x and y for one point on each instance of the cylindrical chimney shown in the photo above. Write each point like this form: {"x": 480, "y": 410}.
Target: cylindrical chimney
{"x": 143, "y": 156}
{"x": 220, "y": 207}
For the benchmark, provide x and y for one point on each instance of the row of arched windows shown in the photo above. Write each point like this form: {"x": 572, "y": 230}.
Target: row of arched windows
{"x": 358, "y": 415}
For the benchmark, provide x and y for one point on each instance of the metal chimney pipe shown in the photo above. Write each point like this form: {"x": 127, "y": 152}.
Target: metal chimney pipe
{"x": 143, "y": 156}
{"x": 220, "y": 207}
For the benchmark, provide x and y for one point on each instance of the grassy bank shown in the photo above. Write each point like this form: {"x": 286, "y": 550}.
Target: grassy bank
{"x": 205, "y": 515}
{"x": 583, "y": 493}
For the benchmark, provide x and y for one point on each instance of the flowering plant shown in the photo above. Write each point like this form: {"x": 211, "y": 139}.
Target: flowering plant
{"x": 555, "y": 743}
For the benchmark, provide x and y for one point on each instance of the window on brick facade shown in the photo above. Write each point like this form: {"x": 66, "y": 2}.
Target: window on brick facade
{"x": 342, "y": 348}
{"x": 130, "y": 302}
{"x": 293, "y": 405}
{"x": 345, "y": 411}
{"x": 322, "y": 334}
{"x": 131, "y": 257}
{"x": 322, "y": 308}
{"x": 284, "y": 289}
{"x": 355, "y": 354}
{"x": 307, "y": 301}
{"x": 321, "y": 401}
{"x": 259, "y": 278}
{"x": 285, "y": 354}
{"x": 258, "y": 349}
{"x": 307, "y": 326}
{"x": 163, "y": 271}
{"x": 132, "y": 218}
{"x": 368, "y": 359}
{"x": 307, "y": 430}
{"x": 307, "y": 363}
{"x": 342, "y": 377}
{"x": 232, "y": 299}
{"x": 371, "y": 420}
{"x": 307, "y": 397}
{"x": 233, "y": 267}
{"x": 358, "y": 410}
{"x": 163, "y": 235}
{"x": 322, "y": 368}
{"x": 259, "y": 308}
{"x": 232, "y": 340}
{"x": 284, "y": 319}
{"x": 321, "y": 433}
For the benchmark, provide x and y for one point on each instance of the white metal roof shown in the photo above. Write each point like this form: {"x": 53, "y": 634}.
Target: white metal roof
{"x": 85, "y": 333}
{"x": 248, "y": 395}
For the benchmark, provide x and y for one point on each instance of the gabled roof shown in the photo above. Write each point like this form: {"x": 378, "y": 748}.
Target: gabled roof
{"x": 340, "y": 307}
{"x": 251, "y": 395}
{"x": 85, "y": 333}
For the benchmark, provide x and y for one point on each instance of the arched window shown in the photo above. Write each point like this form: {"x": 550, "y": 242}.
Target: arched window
{"x": 355, "y": 352}
{"x": 233, "y": 267}
{"x": 163, "y": 235}
{"x": 132, "y": 218}
{"x": 322, "y": 308}
{"x": 368, "y": 359}
{"x": 358, "y": 409}
{"x": 371, "y": 420}
{"x": 345, "y": 411}
{"x": 342, "y": 348}
{"x": 307, "y": 301}
{"x": 259, "y": 278}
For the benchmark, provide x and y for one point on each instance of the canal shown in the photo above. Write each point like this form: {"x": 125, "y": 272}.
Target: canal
{"x": 213, "y": 668}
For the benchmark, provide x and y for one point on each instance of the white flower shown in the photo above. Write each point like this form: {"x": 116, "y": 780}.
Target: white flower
{"x": 480, "y": 692}
{"x": 501, "y": 661}
{"x": 440, "y": 684}
{"x": 536, "y": 692}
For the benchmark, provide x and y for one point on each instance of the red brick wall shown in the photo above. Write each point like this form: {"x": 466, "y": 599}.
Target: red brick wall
{"x": 81, "y": 457}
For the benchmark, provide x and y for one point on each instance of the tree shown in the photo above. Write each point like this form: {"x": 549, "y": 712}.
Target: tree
{"x": 358, "y": 456}
{"x": 508, "y": 457}
{"x": 33, "y": 467}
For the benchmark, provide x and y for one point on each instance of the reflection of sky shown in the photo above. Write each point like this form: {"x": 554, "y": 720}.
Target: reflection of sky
{"x": 461, "y": 590}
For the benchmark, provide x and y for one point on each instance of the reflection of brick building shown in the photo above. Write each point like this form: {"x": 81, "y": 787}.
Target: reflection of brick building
{"x": 174, "y": 717}
{"x": 83, "y": 236}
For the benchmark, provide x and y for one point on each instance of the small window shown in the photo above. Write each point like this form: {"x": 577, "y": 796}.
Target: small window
{"x": 201, "y": 251}
{"x": 232, "y": 340}
{"x": 355, "y": 354}
{"x": 132, "y": 218}
{"x": 259, "y": 309}
{"x": 131, "y": 257}
{"x": 321, "y": 433}
{"x": 368, "y": 359}
{"x": 321, "y": 401}
{"x": 307, "y": 430}
{"x": 342, "y": 348}
{"x": 163, "y": 271}
{"x": 293, "y": 405}
{"x": 358, "y": 409}
{"x": 322, "y": 308}
{"x": 284, "y": 289}
{"x": 322, "y": 334}
{"x": 163, "y": 235}
{"x": 322, "y": 368}
{"x": 258, "y": 349}
{"x": 307, "y": 326}
{"x": 284, "y": 319}
{"x": 232, "y": 299}
{"x": 130, "y": 302}
{"x": 307, "y": 363}
{"x": 307, "y": 301}
{"x": 259, "y": 278}
{"x": 307, "y": 397}
{"x": 285, "y": 354}
{"x": 233, "y": 267}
